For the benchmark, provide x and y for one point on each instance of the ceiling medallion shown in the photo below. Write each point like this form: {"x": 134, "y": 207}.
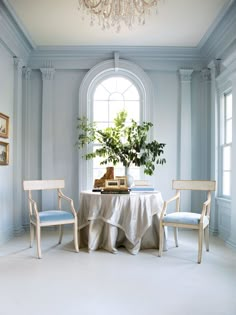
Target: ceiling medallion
{"x": 112, "y": 13}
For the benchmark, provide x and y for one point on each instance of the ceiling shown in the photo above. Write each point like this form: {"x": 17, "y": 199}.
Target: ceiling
{"x": 59, "y": 22}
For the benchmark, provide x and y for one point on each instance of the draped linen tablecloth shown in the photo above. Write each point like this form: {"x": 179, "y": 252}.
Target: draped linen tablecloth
{"x": 109, "y": 221}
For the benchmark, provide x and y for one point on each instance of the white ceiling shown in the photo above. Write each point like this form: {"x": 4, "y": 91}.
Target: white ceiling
{"x": 58, "y": 22}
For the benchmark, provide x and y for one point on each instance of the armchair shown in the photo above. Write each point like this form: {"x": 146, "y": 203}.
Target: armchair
{"x": 189, "y": 220}
{"x": 59, "y": 217}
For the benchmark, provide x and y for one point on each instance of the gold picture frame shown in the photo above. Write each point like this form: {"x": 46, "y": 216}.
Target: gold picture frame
{"x": 4, "y": 153}
{"x": 4, "y": 126}
{"x": 122, "y": 180}
{"x": 112, "y": 183}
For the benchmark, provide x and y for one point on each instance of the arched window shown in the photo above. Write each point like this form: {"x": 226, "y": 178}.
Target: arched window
{"x": 112, "y": 95}
{"x": 106, "y": 89}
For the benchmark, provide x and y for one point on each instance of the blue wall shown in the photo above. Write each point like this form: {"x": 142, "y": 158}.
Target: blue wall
{"x": 59, "y": 72}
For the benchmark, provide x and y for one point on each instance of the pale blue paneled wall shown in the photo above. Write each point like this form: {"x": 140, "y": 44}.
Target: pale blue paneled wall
{"x": 6, "y": 172}
{"x": 65, "y": 112}
{"x": 165, "y": 113}
{"x": 161, "y": 65}
{"x": 66, "y": 96}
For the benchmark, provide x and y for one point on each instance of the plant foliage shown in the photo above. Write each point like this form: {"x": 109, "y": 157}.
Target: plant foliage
{"x": 122, "y": 143}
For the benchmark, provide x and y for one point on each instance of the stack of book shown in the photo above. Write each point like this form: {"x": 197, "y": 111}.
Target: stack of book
{"x": 142, "y": 185}
{"x": 118, "y": 190}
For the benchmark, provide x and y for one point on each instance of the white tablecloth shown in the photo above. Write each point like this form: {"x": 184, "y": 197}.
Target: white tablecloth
{"x": 111, "y": 220}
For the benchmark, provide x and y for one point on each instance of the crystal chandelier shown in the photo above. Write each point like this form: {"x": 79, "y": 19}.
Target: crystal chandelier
{"x": 111, "y": 13}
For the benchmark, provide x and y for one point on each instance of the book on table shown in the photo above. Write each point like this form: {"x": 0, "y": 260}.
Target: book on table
{"x": 118, "y": 190}
{"x": 142, "y": 185}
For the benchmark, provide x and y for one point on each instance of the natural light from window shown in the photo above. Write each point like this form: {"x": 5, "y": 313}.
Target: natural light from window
{"x": 227, "y": 146}
{"x": 110, "y": 97}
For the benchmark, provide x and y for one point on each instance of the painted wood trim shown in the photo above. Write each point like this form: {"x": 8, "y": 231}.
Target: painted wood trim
{"x": 194, "y": 185}
{"x": 43, "y": 184}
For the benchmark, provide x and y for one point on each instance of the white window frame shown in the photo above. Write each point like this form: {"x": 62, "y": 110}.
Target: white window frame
{"x": 140, "y": 107}
{"x": 96, "y": 75}
{"x": 223, "y": 145}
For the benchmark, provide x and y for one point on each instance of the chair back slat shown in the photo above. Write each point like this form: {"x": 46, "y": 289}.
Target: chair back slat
{"x": 207, "y": 185}
{"x": 43, "y": 184}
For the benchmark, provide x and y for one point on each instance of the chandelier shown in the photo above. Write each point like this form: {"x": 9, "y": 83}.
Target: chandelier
{"x": 112, "y": 13}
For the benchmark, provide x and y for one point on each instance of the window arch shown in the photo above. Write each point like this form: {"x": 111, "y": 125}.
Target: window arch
{"x": 112, "y": 95}
{"x": 108, "y": 82}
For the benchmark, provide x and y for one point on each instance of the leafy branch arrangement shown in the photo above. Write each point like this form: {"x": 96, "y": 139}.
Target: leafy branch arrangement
{"x": 126, "y": 144}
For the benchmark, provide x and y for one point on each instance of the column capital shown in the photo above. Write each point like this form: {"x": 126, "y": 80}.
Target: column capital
{"x": 47, "y": 73}
{"x": 215, "y": 67}
{"x": 18, "y": 63}
{"x": 206, "y": 74}
{"x": 27, "y": 73}
{"x": 185, "y": 74}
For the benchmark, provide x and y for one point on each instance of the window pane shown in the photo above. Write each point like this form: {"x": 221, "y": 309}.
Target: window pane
{"x": 118, "y": 97}
{"x": 111, "y": 96}
{"x": 226, "y": 183}
{"x": 228, "y": 103}
{"x": 131, "y": 93}
{"x": 114, "y": 109}
{"x": 123, "y": 84}
{"x": 100, "y": 111}
{"x": 227, "y": 158}
{"x": 110, "y": 84}
{"x": 102, "y": 125}
{"x": 133, "y": 111}
{"x": 101, "y": 93}
{"x": 228, "y": 131}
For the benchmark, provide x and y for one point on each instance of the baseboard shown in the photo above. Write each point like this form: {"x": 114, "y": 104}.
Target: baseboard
{"x": 231, "y": 244}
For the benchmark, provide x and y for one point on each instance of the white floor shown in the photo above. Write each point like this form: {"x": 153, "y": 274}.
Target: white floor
{"x": 66, "y": 283}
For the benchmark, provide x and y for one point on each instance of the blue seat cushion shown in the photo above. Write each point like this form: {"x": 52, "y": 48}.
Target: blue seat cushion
{"x": 55, "y": 215}
{"x": 184, "y": 218}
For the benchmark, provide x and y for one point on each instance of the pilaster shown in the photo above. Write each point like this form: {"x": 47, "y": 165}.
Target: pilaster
{"x": 27, "y": 131}
{"x": 17, "y": 146}
{"x": 204, "y": 130}
{"x": 232, "y": 238}
{"x": 47, "y": 157}
{"x": 185, "y": 153}
{"x": 214, "y": 67}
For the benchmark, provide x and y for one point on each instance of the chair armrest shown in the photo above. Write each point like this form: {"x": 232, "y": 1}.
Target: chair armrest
{"x": 33, "y": 207}
{"x": 206, "y": 204}
{"x": 61, "y": 195}
{"x": 163, "y": 212}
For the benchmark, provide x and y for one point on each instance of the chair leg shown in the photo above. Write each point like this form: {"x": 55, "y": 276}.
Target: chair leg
{"x": 206, "y": 233}
{"x": 176, "y": 236}
{"x": 76, "y": 236}
{"x": 61, "y": 230}
{"x": 200, "y": 237}
{"x": 38, "y": 237}
{"x": 32, "y": 227}
{"x": 161, "y": 235}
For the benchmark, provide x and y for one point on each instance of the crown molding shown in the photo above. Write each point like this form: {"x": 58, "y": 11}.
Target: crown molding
{"x": 18, "y": 24}
{"x": 217, "y": 43}
{"x": 221, "y": 35}
{"x": 85, "y": 57}
{"x": 11, "y": 36}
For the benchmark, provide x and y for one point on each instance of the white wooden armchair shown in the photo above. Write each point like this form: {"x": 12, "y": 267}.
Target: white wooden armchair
{"x": 59, "y": 217}
{"x": 189, "y": 220}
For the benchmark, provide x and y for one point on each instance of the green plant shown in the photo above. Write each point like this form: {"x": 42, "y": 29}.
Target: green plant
{"x": 126, "y": 144}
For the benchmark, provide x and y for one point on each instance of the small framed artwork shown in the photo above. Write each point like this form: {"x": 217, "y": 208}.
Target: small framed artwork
{"x": 122, "y": 180}
{"x": 4, "y": 126}
{"x": 4, "y": 153}
{"x": 112, "y": 183}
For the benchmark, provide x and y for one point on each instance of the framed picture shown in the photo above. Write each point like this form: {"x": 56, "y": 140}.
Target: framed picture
{"x": 122, "y": 180}
{"x": 4, "y": 153}
{"x": 112, "y": 183}
{"x": 4, "y": 126}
